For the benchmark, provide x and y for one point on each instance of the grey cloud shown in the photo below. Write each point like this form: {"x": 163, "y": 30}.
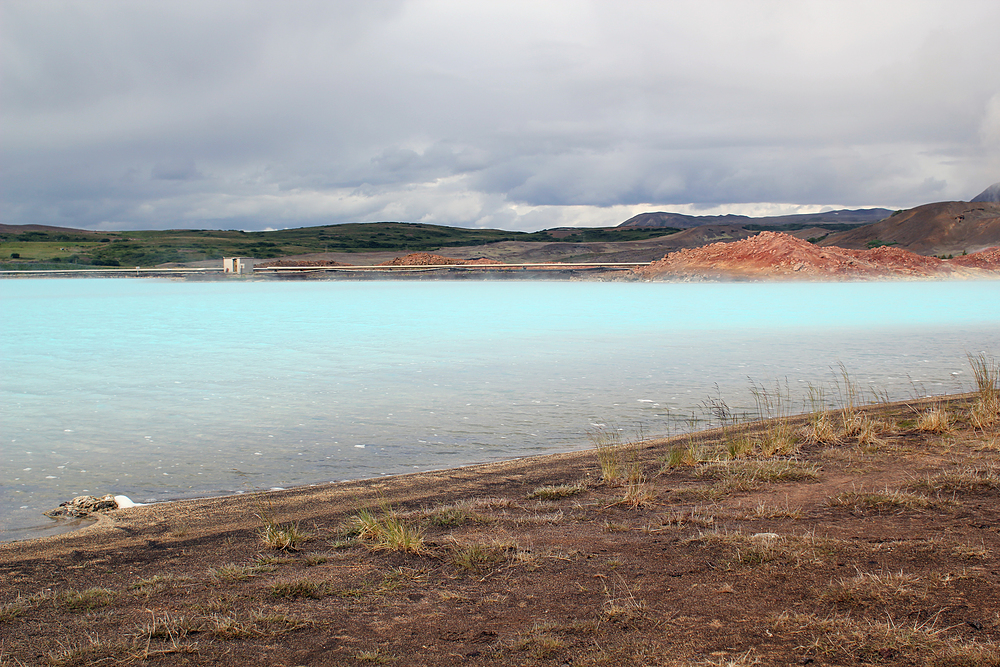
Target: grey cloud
{"x": 257, "y": 114}
{"x": 176, "y": 170}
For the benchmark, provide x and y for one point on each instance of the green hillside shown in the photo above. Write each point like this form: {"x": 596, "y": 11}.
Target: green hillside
{"x": 55, "y": 248}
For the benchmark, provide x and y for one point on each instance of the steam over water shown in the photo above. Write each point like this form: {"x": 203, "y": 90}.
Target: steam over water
{"x": 162, "y": 390}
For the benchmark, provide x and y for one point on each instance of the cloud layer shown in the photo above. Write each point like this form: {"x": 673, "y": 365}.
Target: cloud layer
{"x": 517, "y": 115}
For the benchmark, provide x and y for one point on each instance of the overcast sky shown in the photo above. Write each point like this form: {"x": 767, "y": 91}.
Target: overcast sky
{"x": 475, "y": 113}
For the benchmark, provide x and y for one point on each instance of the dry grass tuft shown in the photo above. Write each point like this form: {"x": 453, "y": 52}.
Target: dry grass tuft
{"x": 621, "y": 605}
{"x": 388, "y": 531}
{"x": 556, "y": 492}
{"x": 760, "y": 548}
{"x": 749, "y": 475}
{"x": 936, "y": 420}
{"x": 859, "y": 641}
{"x": 972, "y": 479}
{"x": 880, "y": 501}
{"x": 89, "y": 598}
{"x": 985, "y": 411}
{"x": 696, "y": 517}
{"x": 868, "y": 588}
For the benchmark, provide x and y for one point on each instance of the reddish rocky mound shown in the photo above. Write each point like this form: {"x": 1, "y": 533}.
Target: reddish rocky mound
{"x": 988, "y": 259}
{"x": 299, "y": 262}
{"x": 427, "y": 259}
{"x": 776, "y": 255}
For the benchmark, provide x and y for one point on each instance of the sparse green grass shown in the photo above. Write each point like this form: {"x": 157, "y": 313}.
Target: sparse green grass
{"x": 231, "y": 572}
{"x": 681, "y": 456}
{"x": 89, "y": 598}
{"x": 477, "y": 556}
{"x": 385, "y": 530}
{"x": 611, "y": 453}
{"x": 455, "y": 516}
{"x": 556, "y": 491}
{"x": 284, "y": 537}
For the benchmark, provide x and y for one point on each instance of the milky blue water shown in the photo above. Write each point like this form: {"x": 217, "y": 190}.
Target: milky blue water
{"x": 168, "y": 389}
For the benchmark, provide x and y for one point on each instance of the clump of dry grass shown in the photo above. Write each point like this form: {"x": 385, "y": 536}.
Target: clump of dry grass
{"x": 759, "y": 548}
{"x": 275, "y": 535}
{"x": 820, "y": 430}
{"x": 22, "y": 604}
{"x": 541, "y": 642}
{"x": 695, "y": 517}
{"x": 681, "y": 456}
{"x": 556, "y": 491}
{"x": 876, "y": 588}
{"x": 865, "y": 430}
{"x": 612, "y": 452}
{"x": 985, "y": 411}
{"x": 935, "y": 420}
{"x": 231, "y": 572}
{"x": 880, "y": 501}
{"x": 283, "y": 537}
{"x": 621, "y": 604}
{"x": 300, "y": 588}
{"x": 83, "y": 600}
{"x": 749, "y": 475}
{"x": 971, "y": 479}
{"x": 476, "y": 556}
{"x": 870, "y": 641}
{"x": 386, "y": 530}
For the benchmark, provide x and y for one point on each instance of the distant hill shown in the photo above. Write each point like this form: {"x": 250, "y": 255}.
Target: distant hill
{"x": 932, "y": 229}
{"x": 990, "y": 194}
{"x": 848, "y": 217}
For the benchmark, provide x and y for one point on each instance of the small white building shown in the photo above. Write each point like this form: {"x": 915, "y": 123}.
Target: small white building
{"x": 237, "y": 264}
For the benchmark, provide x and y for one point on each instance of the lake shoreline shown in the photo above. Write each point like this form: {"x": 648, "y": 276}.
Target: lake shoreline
{"x": 548, "y": 557}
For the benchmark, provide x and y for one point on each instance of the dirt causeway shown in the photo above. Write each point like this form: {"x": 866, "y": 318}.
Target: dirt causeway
{"x": 859, "y": 538}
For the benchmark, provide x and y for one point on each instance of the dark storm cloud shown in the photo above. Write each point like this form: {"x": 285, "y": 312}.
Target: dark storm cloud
{"x": 519, "y": 115}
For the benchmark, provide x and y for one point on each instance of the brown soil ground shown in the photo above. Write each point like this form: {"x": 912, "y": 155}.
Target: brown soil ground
{"x": 876, "y": 548}
{"x": 777, "y": 255}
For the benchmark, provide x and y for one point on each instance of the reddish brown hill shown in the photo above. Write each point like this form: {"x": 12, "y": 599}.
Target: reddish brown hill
{"x": 427, "y": 259}
{"x": 932, "y": 229}
{"x": 776, "y": 255}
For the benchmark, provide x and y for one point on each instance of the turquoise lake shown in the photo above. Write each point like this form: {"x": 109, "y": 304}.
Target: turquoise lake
{"x": 162, "y": 390}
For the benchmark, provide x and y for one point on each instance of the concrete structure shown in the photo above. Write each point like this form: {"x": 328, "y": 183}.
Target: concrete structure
{"x": 237, "y": 264}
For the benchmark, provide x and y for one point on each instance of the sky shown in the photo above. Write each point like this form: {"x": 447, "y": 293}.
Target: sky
{"x": 252, "y": 115}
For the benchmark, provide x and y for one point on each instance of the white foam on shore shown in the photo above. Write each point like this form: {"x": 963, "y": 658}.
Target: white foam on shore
{"x": 124, "y": 502}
